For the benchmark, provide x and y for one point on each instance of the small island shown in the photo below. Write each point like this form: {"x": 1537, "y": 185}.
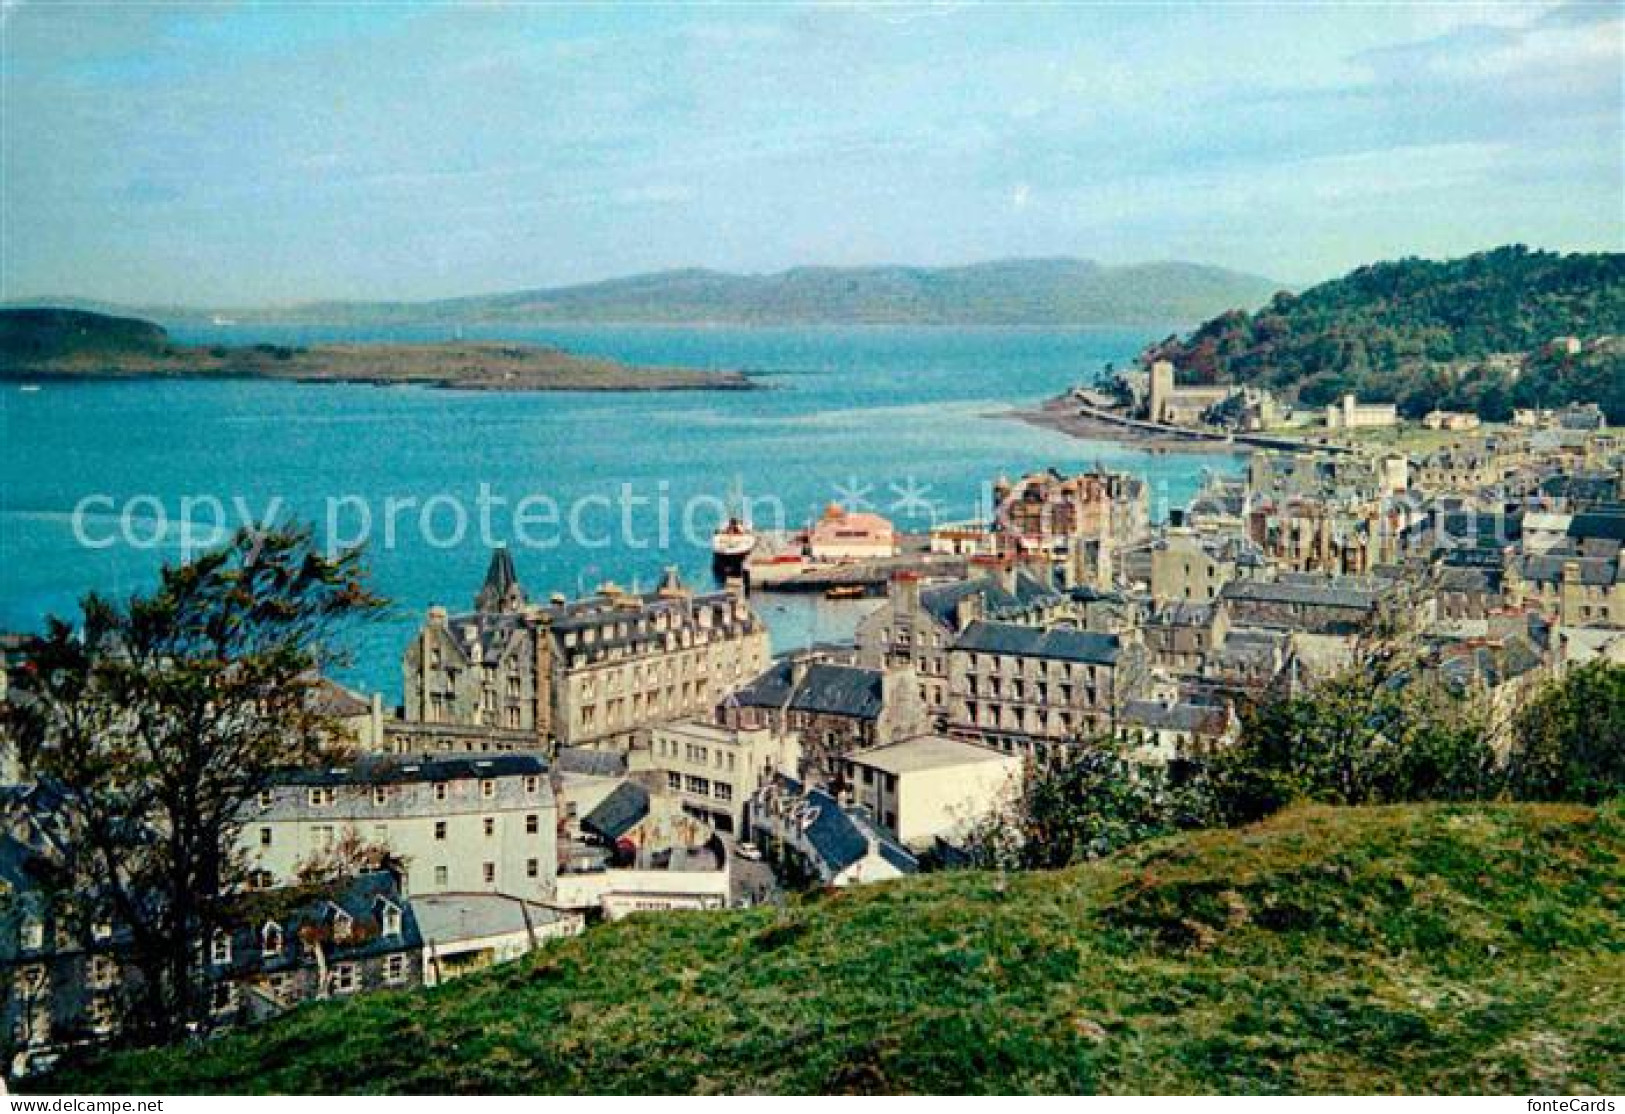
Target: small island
{"x": 63, "y": 344}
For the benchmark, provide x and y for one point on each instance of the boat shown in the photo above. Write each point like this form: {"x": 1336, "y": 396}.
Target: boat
{"x": 845, "y": 592}
{"x": 730, "y": 546}
{"x": 29, "y": 388}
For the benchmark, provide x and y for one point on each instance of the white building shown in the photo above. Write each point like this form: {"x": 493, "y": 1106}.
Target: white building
{"x": 931, "y": 786}
{"x": 1350, "y": 414}
{"x": 713, "y": 771}
{"x": 464, "y": 933}
{"x": 459, "y": 825}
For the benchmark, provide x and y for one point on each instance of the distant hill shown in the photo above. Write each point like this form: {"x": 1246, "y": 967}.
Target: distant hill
{"x": 1417, "y": 950}
{"x": 42, "y": 335}
{"x": 1023, "y": 293}
{"x": 43, "y": 344}
{"x": 1420, "y": 333}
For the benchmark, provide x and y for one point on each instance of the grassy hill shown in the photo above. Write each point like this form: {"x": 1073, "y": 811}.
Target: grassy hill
{"x": 1416, "y": 949}
{"x": 1417, "y": 332}
{"x": 1016, "y": 293}
{"x": 42, "y": 344}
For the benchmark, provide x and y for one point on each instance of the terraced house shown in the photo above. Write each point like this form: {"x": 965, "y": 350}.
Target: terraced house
{"x": 1020, "y": 688}
{"x": 588, "y": 671}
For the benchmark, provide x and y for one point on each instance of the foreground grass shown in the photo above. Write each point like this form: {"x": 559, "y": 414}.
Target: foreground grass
{"x": 1418, "y": 949}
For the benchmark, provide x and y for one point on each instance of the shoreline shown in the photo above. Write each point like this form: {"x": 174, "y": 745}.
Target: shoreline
{"x": 1061, "y": 415}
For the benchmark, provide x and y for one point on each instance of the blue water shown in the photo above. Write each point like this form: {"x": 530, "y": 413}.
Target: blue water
{"x": 877, "y": 414}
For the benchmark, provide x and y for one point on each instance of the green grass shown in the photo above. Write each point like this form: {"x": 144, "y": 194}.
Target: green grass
{"x": 1415, "y": 949}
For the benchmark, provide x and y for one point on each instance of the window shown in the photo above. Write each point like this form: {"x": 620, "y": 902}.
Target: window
{"x": 391, "y": 920}
{"x": 380, "y": 795}
{"x": 261, "y": 880}
{"x": 223, "y": 997}
{"x": 490, "y": 872}
{"x": 439, "y": 790}
{"x": 533, "y": 824}
{"x": 271, "y": 940}
{"x": 33, "y": 979}
{"x": 101, "y": 930}
{"x": 343, "y": 927}
{"x": 488, "y": 790}
{"x": 533, "y": 868}
{"x": 265, "y": 837}
{"x": 532, "y": 783}
{"x": 490, "y": 827}
{"x": 395, "y": 970}
{"x": 33, "y": 934}
{"x": 440, "y": 829}
{"x": 103, "y": 971}
{"x": 346, "y": 978}
{"x": 100, "y": 1013}
{"x": 674, "y": 782}
{"x": 724, "y": 791}
{"x": 220, "y": 948}
{"x": 265, "y": 798}
{"x": 441, "y": 876}
{"x": 319, "y": 796}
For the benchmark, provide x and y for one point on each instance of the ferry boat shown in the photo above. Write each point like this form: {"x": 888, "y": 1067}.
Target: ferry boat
{"x": 730, "y": 546}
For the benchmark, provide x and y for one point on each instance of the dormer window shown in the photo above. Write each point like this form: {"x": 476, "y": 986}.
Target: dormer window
{"x": 343, "y": 926}
{"x": 265, "y": 798}
{"x": 271, "y": 940}
{"x": 319, "y": 796}
{"x": 391, "y": 919}
{"x": 220, "y": 949}
{"x": 488, "y": 789}
{"x": 102, "y": 930}
{"x": 380, "y": 795}
{"x": 439, "y": 790}
{"x": 532, "y": 783}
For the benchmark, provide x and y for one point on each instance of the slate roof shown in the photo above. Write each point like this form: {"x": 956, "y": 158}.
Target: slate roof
{"x": 1594, "y": 525}
{"x": 388, "y": 769}
{"x": 316, "y": 907}
{"x": 1596, "y": 571}
{"x": 589, "y": 762}
{"x": 838, "y": 837}
{"x": 1197, "y": 719}
{"x": 1059, "y": 644}
{"x": 842, "y": 690}
{"x": 1296, "y": 592}
{"x": 942, "y": 600}
{"x": 618, "y": 813}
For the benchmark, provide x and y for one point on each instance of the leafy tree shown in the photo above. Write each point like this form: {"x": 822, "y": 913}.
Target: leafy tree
{"x": 1086, "y": 802}
{"x": 1569, "y": 739}
{"x": 158, "y": 721}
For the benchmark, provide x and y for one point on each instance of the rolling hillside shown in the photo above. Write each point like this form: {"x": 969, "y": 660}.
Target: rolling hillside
{"x": 1414, "y": 949}
{"x": 1018, "y": 293}
{"x": 1418, "y": 332}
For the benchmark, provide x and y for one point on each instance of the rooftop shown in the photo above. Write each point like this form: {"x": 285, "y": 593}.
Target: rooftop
{"x": 927, "y": 752}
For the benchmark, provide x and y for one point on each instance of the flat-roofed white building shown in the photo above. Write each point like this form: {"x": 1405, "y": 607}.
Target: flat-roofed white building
{"x": 931, "y": 785}
{"x": 713, "y": 771}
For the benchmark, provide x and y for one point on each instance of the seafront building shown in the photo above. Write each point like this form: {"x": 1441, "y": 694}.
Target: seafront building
{"x": 592, "y": 671}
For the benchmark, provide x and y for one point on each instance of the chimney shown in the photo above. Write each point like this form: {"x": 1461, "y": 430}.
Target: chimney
{"x": 438, "y": 617}
{"x": 905, "y": 593}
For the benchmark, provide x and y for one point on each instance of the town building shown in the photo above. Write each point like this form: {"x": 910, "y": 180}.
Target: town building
{"x": 713, "y": 769}
{"x": 931, "y": 787}
{"x": 815, "y": 840}
{"x": 918, "y": 623}
{"x": 465, "y": 933}
{"x": 1024, "y": 689}
{"x": 831, "y": 707}
{"x": 1077, "y": 525}
{"x": 1164, "y": 731}
{"x": 595, "y": 670}
{"x": 843, "y": 535}
{"x": 457, "y": 825}
{"x": 1347, "y": 414}
{"x": 1451, "y": 420}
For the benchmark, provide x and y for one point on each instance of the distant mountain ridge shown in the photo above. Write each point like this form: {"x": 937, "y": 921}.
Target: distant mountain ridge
{"x": 1056, "y": 293}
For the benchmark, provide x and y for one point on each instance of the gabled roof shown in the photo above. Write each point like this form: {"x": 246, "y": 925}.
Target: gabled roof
{"x": 1059, "y": 644}
{"x": 313, "y": 910}
{"x": 589, "y": 762}
{"x": 1197, "y": 719}
{"x": 942, "y": 600}
{"x": 842, "y": 690}
{"x": 618, "y": 813}
{"x": 838, "y": 837}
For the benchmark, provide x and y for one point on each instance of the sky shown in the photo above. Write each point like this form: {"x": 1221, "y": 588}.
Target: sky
{"x": 242, "y": 154}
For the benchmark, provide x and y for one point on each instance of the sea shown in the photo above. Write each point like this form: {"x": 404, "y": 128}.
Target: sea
{"x": 101, "y": 483}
